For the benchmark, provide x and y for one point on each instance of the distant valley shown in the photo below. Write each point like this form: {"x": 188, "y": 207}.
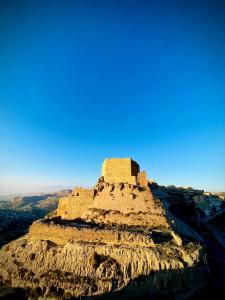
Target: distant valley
{"x": 17, "y": 212}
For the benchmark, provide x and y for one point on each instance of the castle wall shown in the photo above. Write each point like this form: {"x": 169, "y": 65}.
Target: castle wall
{"x": 74, "y": 205}
{"x": 114, "y": 193}
{"x": 142, "y": 179}
{"x": 134, "y": 168}
{"x": 115, "y": 170}
{"x": 61, "y": 235}
{"x": 125, "y": 204}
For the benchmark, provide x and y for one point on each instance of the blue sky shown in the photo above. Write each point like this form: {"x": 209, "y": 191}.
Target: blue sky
{"x": 84, "y": 80}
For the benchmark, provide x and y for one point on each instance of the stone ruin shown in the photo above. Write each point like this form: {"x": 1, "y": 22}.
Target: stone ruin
{"x": 122, "y": 189}
{"x": 74, "y": 205}
{"x": 123, "y": 170}
{"x": 113, "y": 240}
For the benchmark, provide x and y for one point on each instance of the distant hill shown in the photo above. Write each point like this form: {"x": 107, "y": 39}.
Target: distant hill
{"x": 9, "y": 197}
{"x": 43, "y": 201}
{"x": 221, "y": 193}
{"x": 17, "y": 212}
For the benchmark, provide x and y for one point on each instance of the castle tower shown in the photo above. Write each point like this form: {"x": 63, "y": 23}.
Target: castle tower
{"x": 117, "y": 170}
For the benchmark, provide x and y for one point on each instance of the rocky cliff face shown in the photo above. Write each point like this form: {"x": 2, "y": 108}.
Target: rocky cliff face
{"x": 77, "y": 258}
{"x": 97, "y": 268}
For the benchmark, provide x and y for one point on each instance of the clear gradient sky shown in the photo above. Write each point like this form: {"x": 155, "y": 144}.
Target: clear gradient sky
{"x": 84, "y": 80}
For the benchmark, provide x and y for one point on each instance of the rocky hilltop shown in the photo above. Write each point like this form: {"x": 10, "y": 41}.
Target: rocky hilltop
{"x": 114, "y": 240}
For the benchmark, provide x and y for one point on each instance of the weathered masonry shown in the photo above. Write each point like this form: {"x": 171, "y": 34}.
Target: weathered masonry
{"x": 74, "y": 205}
{"x": 116, "y": 170}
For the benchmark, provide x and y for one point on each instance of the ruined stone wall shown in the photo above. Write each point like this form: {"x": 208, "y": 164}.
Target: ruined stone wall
{"x": 142, "y": 179}
{"x": 74, "y": 205}
{"x": 134, "y": 168}
{"x": 120, "y": 170}
{"x": 61, "y": 235}
{"x": 114, "y": 170}
{"x": 125, "y": 198}
{"x": 125, "y": 204}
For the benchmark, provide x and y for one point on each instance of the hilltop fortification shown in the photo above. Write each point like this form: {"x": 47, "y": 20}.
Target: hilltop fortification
{"x": 114, "y": 239}
{"x": 121, "y": 196}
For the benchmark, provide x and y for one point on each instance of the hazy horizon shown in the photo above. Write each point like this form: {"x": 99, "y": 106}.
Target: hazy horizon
{"x": 81, "y": 81}
{"x": 7, "y": 189}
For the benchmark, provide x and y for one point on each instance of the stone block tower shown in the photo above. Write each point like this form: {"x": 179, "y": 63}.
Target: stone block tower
{"x": 117, "y": 170}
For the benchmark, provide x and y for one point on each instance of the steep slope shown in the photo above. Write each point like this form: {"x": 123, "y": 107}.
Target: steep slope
{"x": 91, "y": 268}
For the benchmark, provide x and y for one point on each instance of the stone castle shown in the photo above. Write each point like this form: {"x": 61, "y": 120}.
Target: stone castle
{"x": 120, "y": 183}
{"x": 114, "y": 239}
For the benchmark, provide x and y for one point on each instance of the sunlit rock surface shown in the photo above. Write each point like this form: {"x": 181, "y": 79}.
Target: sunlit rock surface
{"x": 115, "y": 240}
